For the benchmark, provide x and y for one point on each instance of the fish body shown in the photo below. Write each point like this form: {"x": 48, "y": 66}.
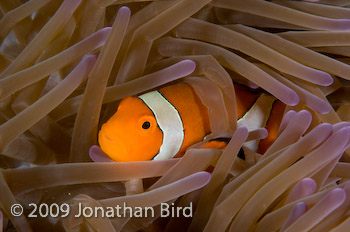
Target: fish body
{"x": 162, "y": 124}
{"x": 258, "y": 110}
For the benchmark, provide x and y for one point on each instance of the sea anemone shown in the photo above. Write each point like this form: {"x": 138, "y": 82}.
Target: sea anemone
{"x": 66, "y": 64}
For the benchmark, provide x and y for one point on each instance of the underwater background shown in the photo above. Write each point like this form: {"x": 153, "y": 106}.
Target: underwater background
{"x": 66, "y": 64}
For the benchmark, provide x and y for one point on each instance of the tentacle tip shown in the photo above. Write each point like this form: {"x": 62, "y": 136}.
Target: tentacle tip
{"x": 301, "y": 206}
{"x": 206, "y": 176}
{"x": 298, "y": 210}
{"x": 304, "y": 117}
{"x": 306, "y": 114}
{"x": 345, "y": 131}
{"x": 326, "y": 79}
{"x": 92, "y": 151}
{"x": 94, "y": 148}
{"x": 291, "y": 112}
{"x": 324, "y": 108}
{"x": 97, "y": 155}
{"x": 308, "y": 180}
{"x": 90, "y": 59}
{"x": 190, "y": 65}
{"x": 292, "y": 99}
{"x": 125, "y": 10}
{"x": 342, "y": 137}
{"x": 242, "y": 128}
{"x": 337, "y": 196}
{"x": 264, "y": 133}
{"x": 243, "y": 131}
{"x": 326, "y": 127}
{"x": 106, "y": 30}
{"x": 253, "y": 85}
{"x": 344, "y": 24}
{"x": 309, "y": 184}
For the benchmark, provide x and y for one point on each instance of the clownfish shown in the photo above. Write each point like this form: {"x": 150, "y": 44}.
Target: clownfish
{"x": 159, "y": 124}
{"x": 163, "y": 123}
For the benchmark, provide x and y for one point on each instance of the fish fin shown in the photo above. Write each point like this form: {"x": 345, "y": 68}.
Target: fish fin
{"x": 221, "y": 143}
{"x": 215, "y": 144}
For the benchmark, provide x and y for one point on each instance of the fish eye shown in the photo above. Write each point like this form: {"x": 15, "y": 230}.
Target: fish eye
{"x": 146, "y": 125}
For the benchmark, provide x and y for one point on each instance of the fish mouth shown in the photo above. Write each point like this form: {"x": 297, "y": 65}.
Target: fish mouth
{"x": 114, "y": 148}
{"x": 106, "y": 138}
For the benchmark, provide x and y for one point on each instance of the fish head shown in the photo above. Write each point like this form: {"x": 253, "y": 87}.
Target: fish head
{"x": 132, "y": 133}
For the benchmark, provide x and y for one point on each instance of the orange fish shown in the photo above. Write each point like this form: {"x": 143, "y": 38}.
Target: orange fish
{"x": 159, "y": 124}
{"x": 162, "y": 124}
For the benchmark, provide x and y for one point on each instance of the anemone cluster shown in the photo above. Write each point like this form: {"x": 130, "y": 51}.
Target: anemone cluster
{"x": 66, "y": 64}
